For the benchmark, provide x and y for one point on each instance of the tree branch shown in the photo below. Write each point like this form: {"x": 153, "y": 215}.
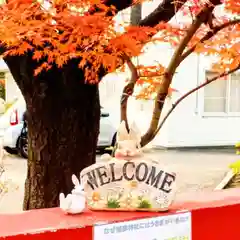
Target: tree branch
{"x": 128, "y": 89}
{"x": 135, "y": 18}
{"x": 190, "y": 92}
{"x": 209, "y": 35}
{"x": 167, "y": 78}
{"x": 119, "y": 4}
{"x": 164, "y": 12}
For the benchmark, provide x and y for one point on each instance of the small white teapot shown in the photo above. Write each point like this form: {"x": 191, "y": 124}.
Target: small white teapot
{"x": 73, "y": 203}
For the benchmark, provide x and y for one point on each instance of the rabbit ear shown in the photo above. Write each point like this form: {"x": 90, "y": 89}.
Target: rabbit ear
{"x": 75, "y": 180}
{"x": 134, "y": 133}
{"x": 122, "y": 133}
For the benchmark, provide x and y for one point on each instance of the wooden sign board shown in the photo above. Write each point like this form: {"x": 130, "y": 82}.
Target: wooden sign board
{"x": 119, "y": 185}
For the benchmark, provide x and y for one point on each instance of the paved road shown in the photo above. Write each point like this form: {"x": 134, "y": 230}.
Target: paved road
{"x": 196, "y": 170}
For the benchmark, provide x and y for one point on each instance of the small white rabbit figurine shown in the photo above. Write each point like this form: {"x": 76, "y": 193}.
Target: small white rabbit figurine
{"x": 128, "y": 144}
{"x": 73, "y": 203}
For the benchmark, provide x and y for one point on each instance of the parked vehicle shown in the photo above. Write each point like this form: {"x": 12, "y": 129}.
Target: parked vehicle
{"x": 23, "y": 142}
{"x": 11, "y": 116}
{"x": 15, "y": 134}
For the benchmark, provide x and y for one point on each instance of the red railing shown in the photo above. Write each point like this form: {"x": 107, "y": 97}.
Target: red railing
{"x": 214, "y": 216}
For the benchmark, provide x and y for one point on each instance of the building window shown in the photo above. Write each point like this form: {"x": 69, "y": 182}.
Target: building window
{"x": 222, "y": 96}
{"x": 2, "y": 85}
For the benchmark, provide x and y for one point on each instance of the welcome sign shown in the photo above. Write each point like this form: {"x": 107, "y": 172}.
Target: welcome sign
{"x": 119, "y": 185}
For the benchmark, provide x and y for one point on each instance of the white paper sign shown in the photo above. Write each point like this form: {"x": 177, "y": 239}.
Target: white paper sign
{"x": 171, "y": 227}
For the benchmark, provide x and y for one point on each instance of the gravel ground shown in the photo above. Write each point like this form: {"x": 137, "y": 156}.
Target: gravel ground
{"x": 196, "y": 170}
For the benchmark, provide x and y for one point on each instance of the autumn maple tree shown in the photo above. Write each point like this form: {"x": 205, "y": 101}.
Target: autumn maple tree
{"x": 212, "y": 29}
{"x": 59, "y": 50}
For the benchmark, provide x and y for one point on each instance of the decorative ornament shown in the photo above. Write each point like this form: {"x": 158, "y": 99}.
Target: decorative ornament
{"x": 128, "y": 144}
{"x": 128, "y": 181}
{"x": 73, "y": 203}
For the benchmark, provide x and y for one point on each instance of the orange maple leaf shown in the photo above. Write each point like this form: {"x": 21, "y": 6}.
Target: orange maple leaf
{"x": 37, "y": 55}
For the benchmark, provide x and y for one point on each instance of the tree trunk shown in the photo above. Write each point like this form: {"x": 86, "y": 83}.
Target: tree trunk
{"x": 63, "y": 127}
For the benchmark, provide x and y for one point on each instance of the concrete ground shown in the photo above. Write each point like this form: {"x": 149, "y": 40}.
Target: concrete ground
{"x": 196, "y": 171}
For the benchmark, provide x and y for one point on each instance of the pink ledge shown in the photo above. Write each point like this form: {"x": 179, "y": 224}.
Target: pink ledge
{"x": 211, "y": 213}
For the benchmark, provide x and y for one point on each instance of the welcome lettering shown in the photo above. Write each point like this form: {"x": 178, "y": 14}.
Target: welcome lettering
{"x": 141, "y": 172}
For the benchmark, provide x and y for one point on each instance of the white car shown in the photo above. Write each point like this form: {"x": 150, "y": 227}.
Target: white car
{"x": 12, "y": 123}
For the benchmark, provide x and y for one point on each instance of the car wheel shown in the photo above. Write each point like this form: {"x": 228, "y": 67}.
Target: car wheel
{"x": 23, "y": 147}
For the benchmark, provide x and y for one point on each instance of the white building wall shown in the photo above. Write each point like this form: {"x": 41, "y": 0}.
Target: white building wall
{"x": 12, "y": 90}
{"x": 188, "y": 124}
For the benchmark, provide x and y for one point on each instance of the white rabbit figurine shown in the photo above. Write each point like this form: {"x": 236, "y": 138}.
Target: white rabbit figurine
{"x": 73, "y": 203}
{"x": 128, "y": 144}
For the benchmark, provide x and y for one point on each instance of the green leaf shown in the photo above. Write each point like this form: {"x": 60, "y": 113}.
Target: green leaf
{"x": 144, "y": 204}
{"x": 113, "y": 203}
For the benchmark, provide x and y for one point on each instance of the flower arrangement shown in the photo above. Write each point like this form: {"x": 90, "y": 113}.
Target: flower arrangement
{"x": 144, "y": 204}
{"x": 232, "y": 179}
{"x": 236, "y": 165}
{"x": 121, "y": 198}
{"x": 113, "y": 203}
{"x": 237, "y": 146}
